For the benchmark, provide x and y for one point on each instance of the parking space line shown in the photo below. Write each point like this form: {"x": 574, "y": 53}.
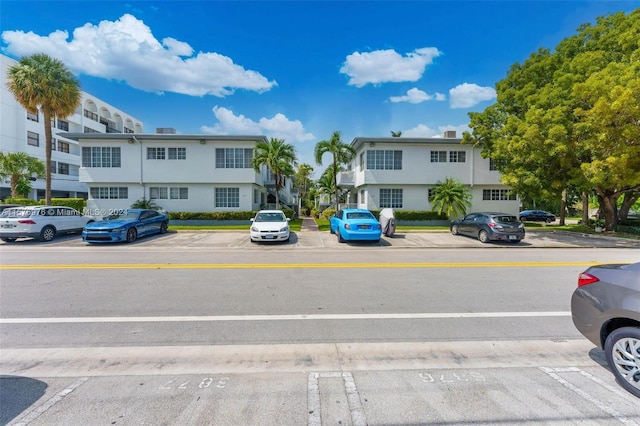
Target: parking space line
{"x": 37, "y": 412}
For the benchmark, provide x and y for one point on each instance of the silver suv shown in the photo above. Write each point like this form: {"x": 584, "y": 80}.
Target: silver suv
{"x": 42, "y": 222}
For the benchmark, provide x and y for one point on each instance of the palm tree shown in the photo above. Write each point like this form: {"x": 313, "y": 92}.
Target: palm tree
{"x": 451, "y": 197}
{"x": 341, "y": 152}
{"x": 302, "y": 180}
{"x": 396, "y": 134}
{"x": 39, "y": 82}
{"x": 20, "y": 168}
{"x": 326, "y": 182}
{"x": 279, "y": 157}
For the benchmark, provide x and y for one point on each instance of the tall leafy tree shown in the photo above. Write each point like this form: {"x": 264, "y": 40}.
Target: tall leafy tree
{"x": 569, "y": 118}
{"x": 303, "y": 181}
{"x": 341, "y": 153}
{"x": 451, "y": 197}
{"x": 326, "y": 183}
{"x": 42, "y": 83}
{"x": 20, "y": 168}
{"x": 279, "y": 157}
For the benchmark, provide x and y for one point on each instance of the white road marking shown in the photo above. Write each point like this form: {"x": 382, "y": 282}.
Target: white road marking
{"x": 37, "y": 412}
{"x": 553, "y": 372}
{"x": 356, "y": 410}
{"x": 315, "y": 317}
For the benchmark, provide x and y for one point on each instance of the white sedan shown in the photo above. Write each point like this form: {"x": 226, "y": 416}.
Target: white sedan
{"x": 270, "y": 225}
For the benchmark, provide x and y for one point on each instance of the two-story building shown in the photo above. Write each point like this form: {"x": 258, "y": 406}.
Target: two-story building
{"x": 400, "y": 173}
{"x": 186, "y": 173}
{"x": 21, "y": 131}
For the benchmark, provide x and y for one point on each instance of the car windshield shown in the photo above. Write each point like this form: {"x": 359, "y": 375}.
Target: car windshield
{"x": 124, "y": 216}
{"x": 505, "y": 219}
{"x": 17, "y": 212}
{"x": 360, "y": 215}
{"x": 270, "y": 217}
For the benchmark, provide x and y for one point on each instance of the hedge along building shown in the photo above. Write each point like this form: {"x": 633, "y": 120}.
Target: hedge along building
{"x": 400, "y": 173}
{"x": 180, "y": 173}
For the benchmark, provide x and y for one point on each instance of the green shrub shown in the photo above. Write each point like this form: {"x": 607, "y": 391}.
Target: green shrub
{"x": 415, "y": 215}
{"x": 75, "y": 203}
{"x": 221, "y": 216}
{"x": 327, "y": 213}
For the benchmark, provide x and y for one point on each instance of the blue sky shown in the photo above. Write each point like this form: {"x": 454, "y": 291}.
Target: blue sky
{"x": 296, "y": 70}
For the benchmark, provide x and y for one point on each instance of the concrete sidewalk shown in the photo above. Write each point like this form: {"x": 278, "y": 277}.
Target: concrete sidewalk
{"x": 308, "y": 224}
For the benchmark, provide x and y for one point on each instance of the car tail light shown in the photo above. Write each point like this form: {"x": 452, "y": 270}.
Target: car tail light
{"x": 584, "y": 279}
{"x": 27, "y": 222}
{"x": 347, "y": 226}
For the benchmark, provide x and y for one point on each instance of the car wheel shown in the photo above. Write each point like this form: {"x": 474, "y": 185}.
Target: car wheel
{"x": 163, "y": 228}
{"x": 47, "y": 233}
{"x": 549, "y": 220}
{"x": 132, "y": 235}
{"x": 8, "y": 240}
{"x": 483, "y": 236}
{"x": 622, "y": 350}
{"x": 331, "y": 230}
{"x": 340, "y": 239}
{"x": 454, "y": 229}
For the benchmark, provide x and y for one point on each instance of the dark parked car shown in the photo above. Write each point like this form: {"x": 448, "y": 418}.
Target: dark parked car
{"x": 536, "y": 216}
{"x": 489, "y": 226}
{"x": 128, "y": 226}
{"x": 606, "y": 309}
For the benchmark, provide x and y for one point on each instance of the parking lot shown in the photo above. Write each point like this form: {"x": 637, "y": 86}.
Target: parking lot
{"x": 314, "y": 239}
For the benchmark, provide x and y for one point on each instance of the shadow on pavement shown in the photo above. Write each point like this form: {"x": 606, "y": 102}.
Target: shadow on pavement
{"x": 17, "y": 394}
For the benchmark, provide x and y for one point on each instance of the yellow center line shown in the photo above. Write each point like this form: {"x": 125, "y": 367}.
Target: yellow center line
{"x": 294, "y": 265}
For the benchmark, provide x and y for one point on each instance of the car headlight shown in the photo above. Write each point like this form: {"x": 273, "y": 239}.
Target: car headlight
{"x": 286, "y": 228}
{"x": 254, "y": 229}
{"x": 121, "y": 229}
{"x": 521, "y": 226}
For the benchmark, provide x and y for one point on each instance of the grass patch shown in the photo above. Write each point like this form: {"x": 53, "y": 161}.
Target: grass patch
{"x": 323, "y": 224}
{"x": 294, "y": 225}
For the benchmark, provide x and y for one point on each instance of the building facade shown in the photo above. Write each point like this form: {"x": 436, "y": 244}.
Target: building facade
{"x": 21, "y": 131}
{"x": 179, "y": 173}
{"x": 400, "y": 173}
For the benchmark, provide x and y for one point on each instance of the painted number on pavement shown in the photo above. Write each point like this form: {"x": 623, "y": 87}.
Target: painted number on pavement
{"x": 205, "y": 383}
{"x": 451, "y": 377}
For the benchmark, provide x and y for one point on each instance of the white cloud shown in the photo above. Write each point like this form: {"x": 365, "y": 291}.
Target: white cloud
{"x": 416, "y": 96}
{"x": 467, "y": 95}
{"x": 423, "y": 131}
{"x": 384, "y": 66}
{"x": 279, "y": 126}
{"x": 127, "y": 50}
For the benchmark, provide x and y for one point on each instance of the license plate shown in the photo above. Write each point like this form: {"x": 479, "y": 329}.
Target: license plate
{"x": 363, "y": 226}
{"x": 269, "y": 237}
{"x": 513, "y": 237}
{"x": 8, "y": 226}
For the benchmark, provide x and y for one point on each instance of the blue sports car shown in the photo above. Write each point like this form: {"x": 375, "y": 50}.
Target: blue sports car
{"x": 355, "y": 224}
{"x": 127, "y": 226}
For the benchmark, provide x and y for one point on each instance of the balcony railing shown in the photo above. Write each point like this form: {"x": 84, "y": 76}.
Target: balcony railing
{"x": 112, "y": 130}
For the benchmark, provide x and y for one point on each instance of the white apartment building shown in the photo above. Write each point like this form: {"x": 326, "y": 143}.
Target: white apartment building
{"x": 180, "y": 173}
{"x": 21, "y": 131}
{"x": 400, "y": 173}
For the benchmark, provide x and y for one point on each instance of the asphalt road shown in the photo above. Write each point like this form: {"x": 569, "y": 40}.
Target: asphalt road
{"x": 210, "y": 329}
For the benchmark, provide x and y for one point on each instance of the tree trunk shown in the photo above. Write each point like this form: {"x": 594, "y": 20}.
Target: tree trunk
{"x": 335, "y": 181}
{"x": 47, "y": 137}
{"x": 563, "y": 207}
{"x": 14, "y": 186}
{"x": 585, "y": 208}
{"x": 629, "y": 200}
{"x": 608, "y": 208}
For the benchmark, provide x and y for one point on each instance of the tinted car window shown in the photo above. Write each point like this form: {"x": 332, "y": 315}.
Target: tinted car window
{"x": 506, "y": 219}
{"x": 360, "y": 215}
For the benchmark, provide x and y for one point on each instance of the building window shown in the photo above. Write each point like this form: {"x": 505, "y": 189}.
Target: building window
{"x": 390, "y": 198}
{"x": 362, "y": 161}
{"x": 179, "y": 193}
{"x": 234, "y": 158}
{"x": 54, "y": 167}
{"x": 429, "y": 193}
{"x": 91, "y": 115}
{"x": 63, "y": 147}
{"x": 457, "y": 156}
{"x": 63, "y": 168}
{"x": 101, "y": 156}
{"x": 32, "y": 116}
{"x": 496, "y": 164}
{"x": 33, "y": 139}
{"x": 128, "y": 130}
{"x": 177, "y": 153}
{"x": 384, "y": 160}
{"x": 158, "y": 193}
{"x": 498, "y": 195}
{"x": 155, "y": 154}
{"x": 109, "y": 192}
{"x": 90, "y": 130}
{"x": 63, "y": 125}
{"x": 227, "y": 197}
{"x": 438, "y": 156}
